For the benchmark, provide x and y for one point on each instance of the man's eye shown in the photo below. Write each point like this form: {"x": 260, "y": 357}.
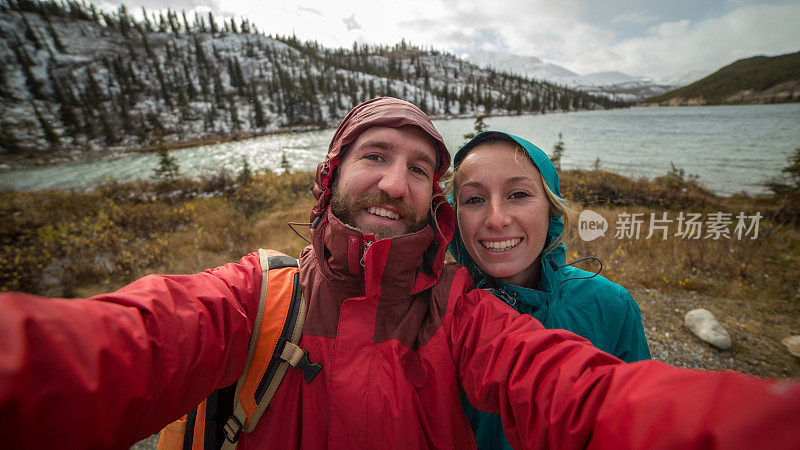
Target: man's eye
{"x": 420, "y": 171}
{"x": 374, "y": 157}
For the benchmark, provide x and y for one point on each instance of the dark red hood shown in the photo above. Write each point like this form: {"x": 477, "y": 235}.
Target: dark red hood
{"x": 339, "y": 248}
{"x": 383, "y": 112}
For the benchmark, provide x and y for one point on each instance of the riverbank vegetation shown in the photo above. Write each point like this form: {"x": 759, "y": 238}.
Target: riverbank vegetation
{"x": 72, "y": 243}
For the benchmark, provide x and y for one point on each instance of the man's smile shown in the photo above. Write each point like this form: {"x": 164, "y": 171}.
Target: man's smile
{"x": 383, "y": 213}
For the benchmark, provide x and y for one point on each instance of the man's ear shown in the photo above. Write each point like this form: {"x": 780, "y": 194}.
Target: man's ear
{"x": 334, "y": 179}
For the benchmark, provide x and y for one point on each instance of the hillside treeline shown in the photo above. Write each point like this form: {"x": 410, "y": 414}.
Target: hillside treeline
{"x": 77, "y": 79}
{"x": 759, "y": 79}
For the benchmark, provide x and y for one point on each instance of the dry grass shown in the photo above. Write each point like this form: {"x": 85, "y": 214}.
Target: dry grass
{"x": 61, "y": 243}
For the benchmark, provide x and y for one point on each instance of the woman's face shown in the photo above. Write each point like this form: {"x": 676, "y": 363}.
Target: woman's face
{"x": 503, "y": 212}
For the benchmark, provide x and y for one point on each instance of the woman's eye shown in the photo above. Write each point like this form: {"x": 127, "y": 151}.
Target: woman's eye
{"x": 373, "y": 157}
{"x": 518, "y": 195}
{"x": 473, "y": 200}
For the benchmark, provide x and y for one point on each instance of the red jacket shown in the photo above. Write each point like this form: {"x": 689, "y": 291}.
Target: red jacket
{"x": 398, "y": 337}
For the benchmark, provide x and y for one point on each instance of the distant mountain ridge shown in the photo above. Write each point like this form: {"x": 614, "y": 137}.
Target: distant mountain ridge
{"x": 755, "y": 80}
{"x": 610, "y": 84}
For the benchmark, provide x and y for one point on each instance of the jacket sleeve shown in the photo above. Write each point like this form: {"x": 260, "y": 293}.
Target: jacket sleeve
{"x": 631, "y": 342}
{"x": 107, "y": 371}
{"x": 552, "y": 389}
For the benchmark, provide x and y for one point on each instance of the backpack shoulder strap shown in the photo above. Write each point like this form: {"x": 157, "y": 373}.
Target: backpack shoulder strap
{"x": 273, "y": 344}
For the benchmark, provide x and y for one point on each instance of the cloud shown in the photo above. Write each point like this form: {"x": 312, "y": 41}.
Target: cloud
{"x": 309, "y": 10}
{"x": 566, "y": 37}
{"x": 637, "y": 18}
{"x": 681, "y": 46}
{"x": 350, "y": 23}
{"x": 582, "y": 35}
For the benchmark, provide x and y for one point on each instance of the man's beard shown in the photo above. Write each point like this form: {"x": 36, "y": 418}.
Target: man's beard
{"x": 347, "y": 210}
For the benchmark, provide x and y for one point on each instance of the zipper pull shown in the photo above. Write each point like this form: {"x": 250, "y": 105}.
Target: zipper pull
{"x": 507, "y": 298}
{"x": 367, "y": 243}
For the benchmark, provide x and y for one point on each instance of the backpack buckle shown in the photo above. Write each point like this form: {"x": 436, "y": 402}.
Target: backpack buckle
{"x": 310, "y": 369}
{"x": 232, "y": 429}
{"x": 298, "y": 358}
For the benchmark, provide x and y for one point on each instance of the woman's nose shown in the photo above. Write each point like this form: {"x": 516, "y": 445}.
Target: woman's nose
{"x": 497, "y": 216}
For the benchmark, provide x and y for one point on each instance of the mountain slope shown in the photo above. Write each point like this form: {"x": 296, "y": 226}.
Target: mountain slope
{"x": 760, "y": 79}
{"x": 78, "y": 82}
{"x": 613, "y": 85}
{"x": 529, "y": 66}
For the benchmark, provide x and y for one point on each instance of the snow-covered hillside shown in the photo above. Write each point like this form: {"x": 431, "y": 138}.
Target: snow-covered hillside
{"x": 78, "y": 82}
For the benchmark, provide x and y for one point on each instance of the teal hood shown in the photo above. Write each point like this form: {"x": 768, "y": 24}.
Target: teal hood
{"x": 554, "y": 227}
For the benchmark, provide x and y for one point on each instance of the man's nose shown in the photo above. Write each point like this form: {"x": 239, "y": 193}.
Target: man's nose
{"x": 497, "y": 216}
{"x": 394, "y": 181}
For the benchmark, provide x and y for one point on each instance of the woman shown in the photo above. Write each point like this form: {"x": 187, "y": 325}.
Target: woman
{"x": 509, "y": 235}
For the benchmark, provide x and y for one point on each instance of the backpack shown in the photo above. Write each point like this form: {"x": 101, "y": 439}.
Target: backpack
{"x": 220, "y": 418}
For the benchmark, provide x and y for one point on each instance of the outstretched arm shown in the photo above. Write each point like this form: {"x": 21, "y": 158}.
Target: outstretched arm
{"x": 553, "y": 389}
{"x": 112, "y": 369}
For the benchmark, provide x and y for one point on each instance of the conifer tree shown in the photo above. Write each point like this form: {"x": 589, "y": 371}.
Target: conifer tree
{"x": 124, "y": 20}
{"x": 167, "y": 171}
{"x": 234, "y": 114}
{"x": 56, "y": 40}
{"x": 186, "y": 25}
{"x": 172, "y": 20}
{"x": 259, "y": 120}
{"x": 163, "y": 84}
{"x": 558, "y": 152}
{"x": 199, "y": 22}
{"x": 31, "y": 35}
{"x": 479, "y": 126}
{"x": 286, "y": 167}
{"x": 8, "y": 141}
{"x": 47, "y": 128}
{"x": 67, "y": 115}
{"x": 148, "y": 26}
{"x": 146, "y": 45}
{"x": 34, "y": 86}
{"x": 246, "y": 174}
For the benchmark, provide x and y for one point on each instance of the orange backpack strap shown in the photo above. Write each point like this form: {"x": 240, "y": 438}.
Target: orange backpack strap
{"x": 274, "y": 346}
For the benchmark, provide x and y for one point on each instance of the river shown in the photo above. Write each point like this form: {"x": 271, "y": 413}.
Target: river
{"x": 730, "y": 148}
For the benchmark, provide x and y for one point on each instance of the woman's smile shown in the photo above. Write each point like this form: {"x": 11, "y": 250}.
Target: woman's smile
{"x": 499, "y": 246}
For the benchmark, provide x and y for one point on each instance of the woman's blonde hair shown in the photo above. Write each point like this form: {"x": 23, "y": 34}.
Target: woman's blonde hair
{"x": 558, "y": 206}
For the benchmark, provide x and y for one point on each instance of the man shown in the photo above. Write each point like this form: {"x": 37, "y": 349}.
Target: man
{"x": 397, "y": 332}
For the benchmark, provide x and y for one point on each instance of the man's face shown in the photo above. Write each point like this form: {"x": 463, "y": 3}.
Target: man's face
{"x": 385, "y": 181}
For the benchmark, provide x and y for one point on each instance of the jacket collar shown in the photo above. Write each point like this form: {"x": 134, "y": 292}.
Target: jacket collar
{"x": 356, "y": 264}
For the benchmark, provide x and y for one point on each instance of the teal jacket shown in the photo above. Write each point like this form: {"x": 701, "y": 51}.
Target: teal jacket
{"x": 597, "y": 309}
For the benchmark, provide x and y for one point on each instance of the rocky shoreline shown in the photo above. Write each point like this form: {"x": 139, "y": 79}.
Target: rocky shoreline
{"x": 673, "y": 343}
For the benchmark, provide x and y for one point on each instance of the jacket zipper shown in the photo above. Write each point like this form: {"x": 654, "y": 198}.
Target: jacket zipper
{"x": 507, "y": 298}
{"x": 367, "y": 243}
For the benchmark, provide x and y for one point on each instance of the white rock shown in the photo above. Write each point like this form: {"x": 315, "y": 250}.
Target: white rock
{"x": 705, "y": 326}
{"x": 793, "y": 344}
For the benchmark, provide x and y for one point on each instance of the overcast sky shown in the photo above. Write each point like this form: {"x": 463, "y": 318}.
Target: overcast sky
{"x": 654, "y": 38}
